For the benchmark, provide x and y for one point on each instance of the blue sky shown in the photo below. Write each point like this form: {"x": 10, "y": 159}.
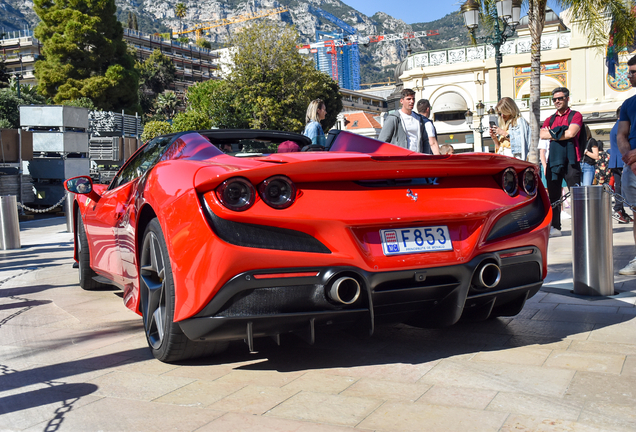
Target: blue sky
{"x": 413, "y": 12}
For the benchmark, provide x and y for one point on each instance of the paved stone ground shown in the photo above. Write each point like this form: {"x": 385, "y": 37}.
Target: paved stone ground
{"x": 72, "y": 360}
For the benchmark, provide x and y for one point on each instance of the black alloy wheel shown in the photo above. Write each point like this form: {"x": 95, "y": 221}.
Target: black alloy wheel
{"x": 157, "y": 299}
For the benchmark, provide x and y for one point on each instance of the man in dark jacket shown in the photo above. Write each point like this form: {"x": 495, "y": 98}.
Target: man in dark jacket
{"x": 405, "y": 128}
{"x": 564, "y": 158}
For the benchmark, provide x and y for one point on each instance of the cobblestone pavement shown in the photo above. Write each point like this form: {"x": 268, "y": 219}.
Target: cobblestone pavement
{"x": 73, "y": 360}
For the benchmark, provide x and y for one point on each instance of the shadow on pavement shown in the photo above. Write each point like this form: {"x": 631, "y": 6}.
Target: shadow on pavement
{"x": 11, "y": 379}
{"x": 400, "y": 343}
{"x": 27, "y": 251}
{"x": 45, "y": 396}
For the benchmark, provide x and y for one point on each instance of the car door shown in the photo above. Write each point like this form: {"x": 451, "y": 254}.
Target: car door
{"x": 125, "y": 188}
{"x": 101, "y": 221}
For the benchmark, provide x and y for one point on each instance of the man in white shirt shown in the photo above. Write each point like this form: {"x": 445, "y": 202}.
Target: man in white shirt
{"x": 424, "y": 109}
{"x": 405, "y": 128}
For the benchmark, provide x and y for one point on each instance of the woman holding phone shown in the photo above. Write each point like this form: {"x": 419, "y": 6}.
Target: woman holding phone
{"x": 512, "y": 135}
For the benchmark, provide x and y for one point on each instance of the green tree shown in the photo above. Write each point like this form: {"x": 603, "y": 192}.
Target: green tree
{"x": 180, "y": 11}
{"x": 190, "y": 120}
{"x": 81, "y": 102}
{"x": 203, "y": 43}
{"x": 154, "y": 129}
{"x": 272, "y": 84}
{"x": 132, "y": 21}
{"x": 84, "y": 54}
{"x": 4, "y": 74}
{"x": 593, "y": 17}
{"x": 167, "y": 104}
{"x": 157, "y": 72}
{"x": 216, "y": 100}
{"x": 10, "y": 103}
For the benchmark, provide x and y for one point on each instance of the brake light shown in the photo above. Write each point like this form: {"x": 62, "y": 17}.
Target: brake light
{"x": 509, "y": 181}
{"x": 236, "y": 193}
{"x": 530, "y": 181}
{"x": 278, "y": 192}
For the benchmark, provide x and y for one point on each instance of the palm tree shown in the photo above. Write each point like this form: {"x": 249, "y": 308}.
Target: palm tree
{"x": 180, "y": 11}
{"x": 593, "y": 17}
{"x": 167, "y": 103}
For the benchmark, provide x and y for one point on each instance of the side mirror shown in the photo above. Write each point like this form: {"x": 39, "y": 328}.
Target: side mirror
{"x": 79, "y": 185}
{"x": 82, "y": 185}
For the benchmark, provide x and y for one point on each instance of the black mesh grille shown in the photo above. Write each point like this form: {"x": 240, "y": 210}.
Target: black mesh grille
{"x": 277, "y": 300}
{"x": 519, "y": 274}
{"x": 525, "y": 218}
{"x": 262, "y": 236}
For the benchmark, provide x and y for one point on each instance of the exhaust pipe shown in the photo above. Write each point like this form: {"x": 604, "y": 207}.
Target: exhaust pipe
{"x": 488, "y": 275}
{"x": 344, "y": 290}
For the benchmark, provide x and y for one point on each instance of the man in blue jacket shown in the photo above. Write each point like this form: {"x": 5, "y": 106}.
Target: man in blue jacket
{"x": 616, "y": 167}
{"x": 626, "y": 140}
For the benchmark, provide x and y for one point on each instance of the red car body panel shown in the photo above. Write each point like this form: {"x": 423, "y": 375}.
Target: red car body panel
{"x": 334, "y": 205}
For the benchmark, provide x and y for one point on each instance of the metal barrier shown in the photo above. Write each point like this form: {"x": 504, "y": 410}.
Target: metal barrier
{"x": 592, "y": 265}
{"x": 9, "y": 223}
{"x": 68, "y": 210}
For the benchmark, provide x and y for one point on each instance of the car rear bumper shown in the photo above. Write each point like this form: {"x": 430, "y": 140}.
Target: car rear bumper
{"x": 274, "y": 301}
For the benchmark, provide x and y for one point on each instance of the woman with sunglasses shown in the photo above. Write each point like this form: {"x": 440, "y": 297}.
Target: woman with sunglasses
{"x": 512, "y": 136}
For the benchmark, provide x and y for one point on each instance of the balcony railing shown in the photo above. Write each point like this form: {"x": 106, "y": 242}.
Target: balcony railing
{"x": 523, "y": 104}
{"x": 482, "y": 52}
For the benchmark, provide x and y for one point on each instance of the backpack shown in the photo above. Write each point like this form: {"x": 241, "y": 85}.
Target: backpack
{"x": 582, "y": 144}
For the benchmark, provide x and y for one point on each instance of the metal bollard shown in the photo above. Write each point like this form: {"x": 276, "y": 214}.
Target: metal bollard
{"x": 68, "y": 209}
{"x": 592, "y": 265}
{"x": 9, "y": 223}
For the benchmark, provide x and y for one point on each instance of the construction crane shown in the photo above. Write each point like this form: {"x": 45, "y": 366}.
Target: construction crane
{"x": 354, "y": 53}
{"x": 364, "y": 40}
{"x": 208, "y": 25}
{"x": 332, "y": 45}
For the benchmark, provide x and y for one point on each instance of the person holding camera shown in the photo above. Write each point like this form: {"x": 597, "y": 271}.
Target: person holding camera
{"x": 512, "y": 135}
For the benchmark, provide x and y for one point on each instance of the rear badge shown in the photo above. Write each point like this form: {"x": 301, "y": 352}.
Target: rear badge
{"x": 411, "y": 194}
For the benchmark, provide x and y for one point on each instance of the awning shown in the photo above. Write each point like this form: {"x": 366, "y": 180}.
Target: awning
{"x": 449, "y": 102}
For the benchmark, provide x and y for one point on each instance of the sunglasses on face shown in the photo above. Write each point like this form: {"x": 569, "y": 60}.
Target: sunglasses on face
{"x": 631, "y": 73}
{"x": 554, "y": 99}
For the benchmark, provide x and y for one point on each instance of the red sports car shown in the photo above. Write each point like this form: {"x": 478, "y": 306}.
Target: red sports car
{"x": 210, "y": 247}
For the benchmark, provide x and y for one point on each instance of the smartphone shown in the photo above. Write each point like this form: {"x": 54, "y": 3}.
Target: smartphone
{"x": 493, "y": 124}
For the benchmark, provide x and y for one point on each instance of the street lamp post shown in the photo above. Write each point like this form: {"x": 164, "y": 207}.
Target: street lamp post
{"x": 481, "y": 128}
{"x": 505, "y": 17}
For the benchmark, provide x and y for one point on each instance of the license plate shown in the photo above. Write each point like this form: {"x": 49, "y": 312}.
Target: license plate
{"x": 415, "y": 240}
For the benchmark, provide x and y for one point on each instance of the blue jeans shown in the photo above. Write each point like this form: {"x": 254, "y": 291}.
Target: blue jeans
{"x": 587, "y": 172}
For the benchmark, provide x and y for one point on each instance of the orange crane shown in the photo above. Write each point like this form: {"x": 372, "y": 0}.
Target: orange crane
{"x": 207, "y": 25}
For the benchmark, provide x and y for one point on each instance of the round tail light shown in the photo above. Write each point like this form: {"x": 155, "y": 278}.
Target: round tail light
{"x": 509, "y": 181}
{"x": 278, "y": 192}
{"x": 529, "y": 181}
{"x": 237, "y": 194}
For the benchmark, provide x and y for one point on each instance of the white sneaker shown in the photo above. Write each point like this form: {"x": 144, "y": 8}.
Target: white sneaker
{"x": 629, "y": 269}
{"x": 557, "y": 233}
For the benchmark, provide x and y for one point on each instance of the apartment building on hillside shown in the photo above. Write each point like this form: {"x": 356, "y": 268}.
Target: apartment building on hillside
{"x": 20, "y": 50}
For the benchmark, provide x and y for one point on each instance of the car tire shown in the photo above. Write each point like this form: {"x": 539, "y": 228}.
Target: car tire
{"x": 157, "y": 298}
{"x": 86, "y": 273}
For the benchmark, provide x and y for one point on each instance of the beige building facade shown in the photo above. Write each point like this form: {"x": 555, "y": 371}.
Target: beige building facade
{"x": 455, "y": 80}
